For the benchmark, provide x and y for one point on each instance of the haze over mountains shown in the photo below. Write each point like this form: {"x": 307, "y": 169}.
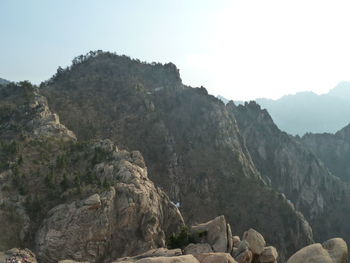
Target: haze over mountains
{"x": 94, "y": 160}
{"x": 3, "y": 81}
{"x": 309, "y": 112}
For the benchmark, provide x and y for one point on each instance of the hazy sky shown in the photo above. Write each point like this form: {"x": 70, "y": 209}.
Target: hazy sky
{"x": 240, "y": 49}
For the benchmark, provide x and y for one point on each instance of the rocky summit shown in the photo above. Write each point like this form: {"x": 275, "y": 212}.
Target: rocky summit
{"x": 116, "y": 160}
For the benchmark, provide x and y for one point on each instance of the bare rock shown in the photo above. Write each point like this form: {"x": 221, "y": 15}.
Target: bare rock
{"x": 214, "y": 233}
{"x": 178, "y": 259}
{"x": 229, "y": 239}
{"x": 130, "y": 218}
{"x": 215, "y": 258}
{"x": 197, "y": 248}
{"x": 245, "y": 257}
{"x": 255, "y": 240}
{"x": 71, "y": 261}
{"x": 159, "y": 252}
{"x": 269, "y": 255}
{"x": 332, "y": 251}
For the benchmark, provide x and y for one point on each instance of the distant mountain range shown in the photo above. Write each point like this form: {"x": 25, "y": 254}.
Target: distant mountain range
{"x": 309, "y": 112}
{"x": 4, "y": 81}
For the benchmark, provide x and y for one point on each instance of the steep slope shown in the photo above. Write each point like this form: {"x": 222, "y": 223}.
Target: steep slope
{"x": 69, "y": 199}
{"x": 333, "y": 150}
{"x": 295, "y": 171}
{"x": 189, "y": 140}
{"x": 308, "y": 112}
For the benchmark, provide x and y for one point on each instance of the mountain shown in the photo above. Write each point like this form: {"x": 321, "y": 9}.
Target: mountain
{"x": 4, "y": 81}
{"x": 294, "y": 170}
{"x": 333, "y": 150}
{"x": 63, "y": 198}
{"x": 190, "y": 142}
{"x": 308, "y": 112}
{"x": 223, "y": 99}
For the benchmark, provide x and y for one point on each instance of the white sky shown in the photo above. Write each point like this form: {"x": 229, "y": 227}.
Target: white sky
{"x": 274, "y": 47}
{"x": 241, "y": 49}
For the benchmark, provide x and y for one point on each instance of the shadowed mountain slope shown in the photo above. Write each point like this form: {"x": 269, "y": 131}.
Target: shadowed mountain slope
{"x": 294, "y": 170}
{"x": 189, "y": 139}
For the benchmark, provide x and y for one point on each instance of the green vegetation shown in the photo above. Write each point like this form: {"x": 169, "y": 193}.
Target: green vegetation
{"x": 181, "y": 239}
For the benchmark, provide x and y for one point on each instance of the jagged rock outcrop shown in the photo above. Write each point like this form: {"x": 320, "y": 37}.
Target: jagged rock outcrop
{"x": 332, "y": 251}
{"x": 84, "y": 201}
{"x": 190, "y": 141}
{"x": 290, "y": 167}
{"x": 131, "y": 217}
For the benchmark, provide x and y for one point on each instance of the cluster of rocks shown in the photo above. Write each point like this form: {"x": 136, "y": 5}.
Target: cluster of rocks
{"x": 214, "y": 242}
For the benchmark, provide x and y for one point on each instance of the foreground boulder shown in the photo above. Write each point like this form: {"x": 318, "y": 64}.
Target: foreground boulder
{"x": 256, "y": 241}
{"x": 131, "y": 217}
{"x": 332, "y": 251}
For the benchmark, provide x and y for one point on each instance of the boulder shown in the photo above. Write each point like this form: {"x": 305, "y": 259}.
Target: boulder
{"x": 269, "y": 255}
{"x": 213, "y": 232}
{"x": 215, "y": 258}
{"x": 255, "y": 240}
{"x": 159, "y": 252}
{"x": 337, "y": 250}
{"x": 332, "y": 251}
{"x": 197, "y": 248}
{"x": 178, "y": 259}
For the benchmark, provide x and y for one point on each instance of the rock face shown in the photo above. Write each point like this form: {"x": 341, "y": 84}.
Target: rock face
{"x": 332, "y": 251}
{"x": 131, "y": 217}
{"x": 333, "y": 150}
{"x": 191, "y": 143}
{"x": 291, "y": 168}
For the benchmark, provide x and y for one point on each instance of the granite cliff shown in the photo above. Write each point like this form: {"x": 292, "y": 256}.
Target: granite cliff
{"x": 68, "y": 199}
